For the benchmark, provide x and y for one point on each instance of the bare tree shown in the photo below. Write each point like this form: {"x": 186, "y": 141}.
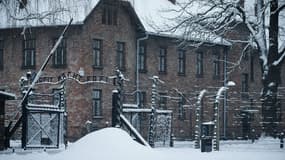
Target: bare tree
{"x": 266, "y": 34}
{"x": 23, "y": 13}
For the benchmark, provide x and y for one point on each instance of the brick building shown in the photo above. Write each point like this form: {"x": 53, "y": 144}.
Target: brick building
{"x": 113, "y": 34}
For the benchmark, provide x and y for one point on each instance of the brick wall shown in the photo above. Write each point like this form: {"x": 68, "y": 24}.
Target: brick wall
{"x": 79, "y": 55}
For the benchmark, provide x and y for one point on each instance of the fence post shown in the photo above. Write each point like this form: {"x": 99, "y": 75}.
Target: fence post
{"x": 252, "y": 135}
{"x": 24, "y": 124}
{"x": 116, "y": 122}
{"x": 198, "y": 119}
{"x": 172, "y": 140}
{"x": 216, "y": 136}
{"x": 117, "y": 100}
{"x": 281, "y": 140}
{"x": 153, "y": 111}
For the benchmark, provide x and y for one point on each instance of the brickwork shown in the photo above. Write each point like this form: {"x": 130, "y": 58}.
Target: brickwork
{"x": 79, "y": 55}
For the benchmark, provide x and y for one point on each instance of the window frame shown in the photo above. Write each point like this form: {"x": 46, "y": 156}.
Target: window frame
{"x": 29, "y": 52}
{"x": 252, "y": 67}
{"x": 181, "y": 109}
{"x": 142, "y": 54}
{"x": 121, "y": 55}
{"x": 1, "y": 54}
{"x": 244, "y": 86}
{"x": 95, "y": 112}
{"x": 97, "y": 54}
{"x": 162, "y": 62}
{"x": 109, "y": 15}
{"x": 216, "y": 66}
{"x": 142, "y": 98}
{"x": 162, "y": 101}
{"x": 181, "y": 62}
{"x": 61, "y": 49}
{"x": 199, "y": 65}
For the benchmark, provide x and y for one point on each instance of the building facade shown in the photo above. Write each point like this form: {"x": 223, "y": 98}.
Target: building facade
{"x": 112, "y": 36}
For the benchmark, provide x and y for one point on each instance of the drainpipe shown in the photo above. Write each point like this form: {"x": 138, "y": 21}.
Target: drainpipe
{"x": 137, "y": 66}
{"x": 225, "y": 92}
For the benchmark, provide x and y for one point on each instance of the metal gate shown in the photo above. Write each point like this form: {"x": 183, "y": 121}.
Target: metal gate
{"x": 43, "y": 124}
{"x": 162, "y": 124}
{"x": 162, "y": 129}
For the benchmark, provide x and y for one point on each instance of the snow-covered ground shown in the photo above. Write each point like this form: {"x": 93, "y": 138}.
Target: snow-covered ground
{"x": 116, "y": 144}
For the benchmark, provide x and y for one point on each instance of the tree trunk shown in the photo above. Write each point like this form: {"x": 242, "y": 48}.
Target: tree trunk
{"x": 271, "y": 76}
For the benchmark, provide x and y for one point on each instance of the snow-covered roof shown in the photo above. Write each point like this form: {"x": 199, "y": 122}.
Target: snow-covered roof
{"x": 158, "y": 16}
{"x": 8, "y": 96}
{"x": 154, "y": 15}
{"x": 44, "y": 12}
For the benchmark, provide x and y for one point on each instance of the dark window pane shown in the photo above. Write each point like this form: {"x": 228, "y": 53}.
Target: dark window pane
{"x": 121, "y": 55}
{"x": 181, "y": 62}
{"x": 252, "y": 68}
{"x": 199, "y": 64}
{"x": 181, "y": 109}
{"x": 216, "y": 62}
{"x": 1, "y": 54}
{"x": 97, "y": 102}
{"x": 29, "y": 51}
{"x": 97, "y": 53}
{"x": 109, "y": 15}
{"x": 162, "y": 100}
{"x": 244, "y": 86}
{"x": 59, "y": 59}
{"x": 162, "y": 60}
{"x": 142, "y": 58}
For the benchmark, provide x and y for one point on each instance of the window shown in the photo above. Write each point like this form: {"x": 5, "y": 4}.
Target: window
{"x": 59, "y": 57}
{"x": 252, "y": 68}
{"x": 97, "y": 102}
{"x": 181, "y": 109}
{"x": 244, "y": 86}
{"x": 109, "y": 15}
{"x": 162, "y": 60}
{"x": 142, "y": 104}
{"x": 199, "y": 64}
{"x": 216, "y": 62}
{"x": 121, "y": 55}
{"x": 56, "y": 97}
{"x": 29, "y": 52}
{"x": 97, "y": 53}
{"x": 142, "y": 57}
{"x": 142, "y": 98}
{"x": 162, "y": 100}
{"x": 1, "y": 54}
{"x": 181, "y": 62}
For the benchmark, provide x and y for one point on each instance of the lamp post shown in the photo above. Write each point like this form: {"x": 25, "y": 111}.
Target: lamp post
{"x": 216, "y": 136}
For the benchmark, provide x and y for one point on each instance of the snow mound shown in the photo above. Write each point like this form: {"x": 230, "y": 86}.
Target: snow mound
{"x": 107, "y": 144}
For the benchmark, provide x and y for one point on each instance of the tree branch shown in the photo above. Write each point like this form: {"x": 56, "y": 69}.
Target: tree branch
{"x": 281, "y": 57}
{"x": 280, "y": 8}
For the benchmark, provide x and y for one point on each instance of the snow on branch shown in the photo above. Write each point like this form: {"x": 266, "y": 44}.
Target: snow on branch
{"x": 282, "y": 57}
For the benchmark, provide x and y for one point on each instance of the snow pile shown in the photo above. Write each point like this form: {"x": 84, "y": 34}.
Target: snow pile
{"x": 106, "y": 144}
{"x": 116, "y": 144}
